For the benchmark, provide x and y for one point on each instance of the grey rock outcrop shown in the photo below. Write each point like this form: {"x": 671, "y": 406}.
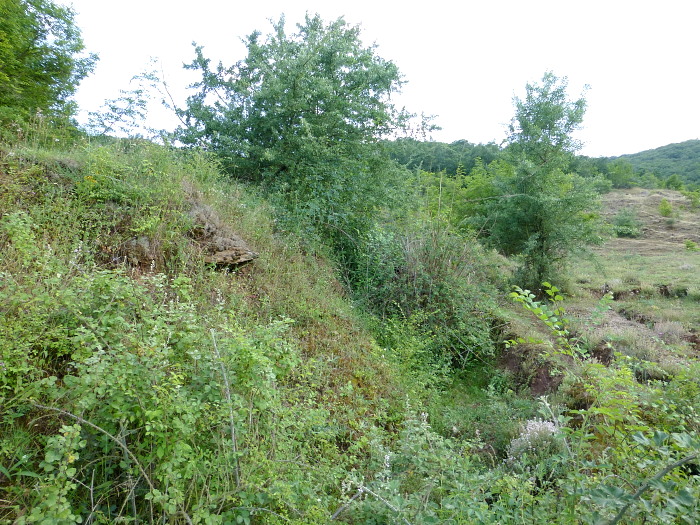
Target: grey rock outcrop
{"x": 220, "y": 245}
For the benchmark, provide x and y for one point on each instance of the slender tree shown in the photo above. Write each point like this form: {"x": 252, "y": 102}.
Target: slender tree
{"x": 543, "y": 213}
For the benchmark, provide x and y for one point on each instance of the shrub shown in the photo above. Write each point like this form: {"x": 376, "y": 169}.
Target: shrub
{"x": 538, "y": 449}
{"x": 665, "y": 208}
{"x": 433, "y": 277}
{"x": 694, "y": 197}
{"x": 626, "y": 224}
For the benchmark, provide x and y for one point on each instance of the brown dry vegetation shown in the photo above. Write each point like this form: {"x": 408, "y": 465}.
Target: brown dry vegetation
{"x": 655, "y": 315}
{"x": 660, "y": 235}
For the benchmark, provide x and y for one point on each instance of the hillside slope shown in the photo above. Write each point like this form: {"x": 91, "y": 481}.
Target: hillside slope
{"x": 139, "y": 380}
{"x": 146, "y": 377}
{"x": 682, "y": 159}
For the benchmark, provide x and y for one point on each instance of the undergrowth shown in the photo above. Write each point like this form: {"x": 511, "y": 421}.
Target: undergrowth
{"x": 148, "y": 386}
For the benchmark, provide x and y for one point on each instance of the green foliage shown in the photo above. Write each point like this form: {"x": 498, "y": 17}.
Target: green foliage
{"x": 543, "y": 214}
{"x": 694, "y": 197}
{"x": 541, "y": 130}
{"x": 626, "y": 224}
{"x": 430, "y": 277}
{"x": 188, "y": 385}
{"x": 548, "y": 312}
{"x": 435, "y": 157}
{"x": 616, "y": 426}
{"x": 125, "y": 115}
{"x": 665, "y": 208}
{"x": 649, "y": 180}
{"x": 539, "y": 450}
{"x": 464, "y": 199}
{"x": 679, "y": 159}
{"x": 171, "y": 392}
{"x": 54, "y": 506}
{"x": 302, "y": 115}
{"x": 601, "y": 185}
{"x": 674, "y": 182}
{"x": 41, "y": 60}
{"x": 621, "y": 173}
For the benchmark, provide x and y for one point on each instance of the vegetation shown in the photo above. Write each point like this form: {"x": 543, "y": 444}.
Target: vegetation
{"x": 675, "y": 159}
{"x": 41, "y": 60}
{"x": 372, "y": 360}
{"x": 436, "y": 157}
{"x": 626, "y": 223}
{"x": 542, "y": 214}
{"x": 302, "y": 115}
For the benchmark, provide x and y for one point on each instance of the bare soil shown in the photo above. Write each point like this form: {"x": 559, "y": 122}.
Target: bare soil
{"x": 660, "y": 235}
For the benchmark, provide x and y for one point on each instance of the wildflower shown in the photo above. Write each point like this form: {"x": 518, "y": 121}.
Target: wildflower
{"x": 536, "y": 438}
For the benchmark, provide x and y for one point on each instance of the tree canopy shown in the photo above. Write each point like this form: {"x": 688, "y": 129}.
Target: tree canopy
{"x": 41, "y": 58}
{"x": 302, "y": 114}
{"x": 435, "y": 157}
{"x": 310, "y": 97}
{"x": 543, "y": 213}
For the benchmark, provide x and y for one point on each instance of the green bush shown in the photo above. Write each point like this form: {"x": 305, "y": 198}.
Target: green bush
{"x": 437, "y": 280}
{"x": 665, "y": 208}
{"x": 626, "y": 224}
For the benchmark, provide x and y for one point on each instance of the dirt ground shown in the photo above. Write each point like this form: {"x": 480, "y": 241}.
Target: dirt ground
{"x": 659, "y": 234}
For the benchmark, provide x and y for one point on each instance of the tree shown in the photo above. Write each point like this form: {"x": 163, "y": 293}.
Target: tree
{"x": 126, "y": 114}
{"x": 621, "y": 173}
{"x": 302, "y": 115}
{"x": 543, "y": 213}
{"x": 41, "y": 60}
{"x": 674, "y": 182}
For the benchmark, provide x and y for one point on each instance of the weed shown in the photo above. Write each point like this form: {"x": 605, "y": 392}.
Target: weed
{"x": 670, "y": 332}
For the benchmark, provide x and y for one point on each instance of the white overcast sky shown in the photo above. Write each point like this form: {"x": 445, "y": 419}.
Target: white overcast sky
{"x": 463, "y": 60}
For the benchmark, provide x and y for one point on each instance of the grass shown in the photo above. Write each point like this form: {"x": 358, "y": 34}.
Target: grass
{"x": 148, "y": 385}
{"x": 66, "y": 231}
{"x": 652, "y": 279}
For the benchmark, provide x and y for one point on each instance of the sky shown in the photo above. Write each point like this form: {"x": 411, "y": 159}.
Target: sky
{"x": 463, "y": 61}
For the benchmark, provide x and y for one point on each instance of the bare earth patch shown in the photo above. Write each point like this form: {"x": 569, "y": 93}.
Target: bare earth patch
{"x": 660, "y": 235}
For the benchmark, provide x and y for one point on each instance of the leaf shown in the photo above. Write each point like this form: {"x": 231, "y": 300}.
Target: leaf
{"x": 660, "y": 438}
{"x": 685, "y": 440}
{"x": 685, "y": 498}
{"x": 28, "y": 474}
{"x": 640, "y": 438}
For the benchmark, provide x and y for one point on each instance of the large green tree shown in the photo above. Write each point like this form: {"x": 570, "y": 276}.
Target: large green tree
{"x": 302, "y": 114}
{"x": 41, "y": 59}
{"x": 543, "y": 213}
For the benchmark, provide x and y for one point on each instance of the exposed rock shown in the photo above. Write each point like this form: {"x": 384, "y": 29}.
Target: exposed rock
{"x": 139, "y": 251}
{"x": 219, "y": 244}
{"x": 230, "y": 257}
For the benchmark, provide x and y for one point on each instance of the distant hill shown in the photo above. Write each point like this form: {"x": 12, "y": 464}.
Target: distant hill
{"x": 682, "y": 159}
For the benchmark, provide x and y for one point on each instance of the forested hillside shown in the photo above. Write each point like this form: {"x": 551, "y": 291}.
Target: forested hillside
{"x": 682, "y": 159}
{"x": 435, "y": 157}
{"x": 672, "y": 166}
{"x": 277, "y": 315}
